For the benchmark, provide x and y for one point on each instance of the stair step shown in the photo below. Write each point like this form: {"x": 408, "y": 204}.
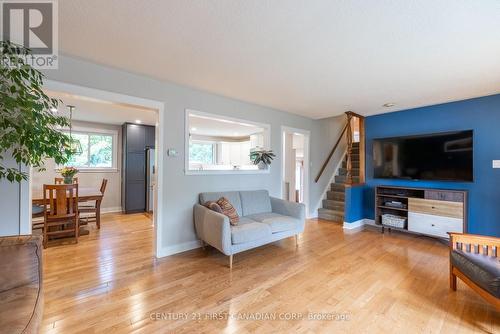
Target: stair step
{"x": 335, "y": 195}
{"x": 332, "y": 215}
{"x": 354, "y": 157}
{"x": 355, "y": 144}
{"x": 355, "y": 150}
{"x": 333, "y": 205}
{"x": 337, "y": 187}
{"x": 354, "y": 171}
{"x": 343, "y": 179}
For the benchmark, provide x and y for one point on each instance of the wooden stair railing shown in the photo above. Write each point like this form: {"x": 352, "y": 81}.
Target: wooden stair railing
{"x": 347, "y": 129}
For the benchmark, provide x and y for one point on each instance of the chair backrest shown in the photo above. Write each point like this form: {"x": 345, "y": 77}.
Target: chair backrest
{"x": 103, "y": 185}
{"x": 60, "y": 180}
{"x": 60, "y": 200}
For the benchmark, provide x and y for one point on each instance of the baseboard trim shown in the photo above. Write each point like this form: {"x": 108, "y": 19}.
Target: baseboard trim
{"x": 111, "y": 209}
{"x": 359, "y": 223}
{"x": 354, "y": 225}
{"x": 179, "y": 248}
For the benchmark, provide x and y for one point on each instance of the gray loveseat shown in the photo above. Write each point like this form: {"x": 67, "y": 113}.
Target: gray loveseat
{"x": 263, "y": 219}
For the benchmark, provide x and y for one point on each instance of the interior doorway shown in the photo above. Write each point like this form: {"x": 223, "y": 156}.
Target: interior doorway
{"x": 100, "y": 107}
{"x": 295, "y": 171}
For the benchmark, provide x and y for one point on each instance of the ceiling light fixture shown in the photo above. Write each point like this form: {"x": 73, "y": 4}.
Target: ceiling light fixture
{"x": 138, "y": 121}
{"x": 75, "y": 147}
{"x": 389, "y": 104}
{"x": 193, "y": 129}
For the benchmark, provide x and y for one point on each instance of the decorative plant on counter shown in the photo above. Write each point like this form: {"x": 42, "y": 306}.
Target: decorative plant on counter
{"x": 68, "y": 173}
{"x": 28, "y": 127}
{"x": 262, "y": 158}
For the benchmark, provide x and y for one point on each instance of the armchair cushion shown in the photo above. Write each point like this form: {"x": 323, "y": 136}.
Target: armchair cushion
{"x": 248, "y": 231}
{"x": 255, "y": 201}
{"x": 481, "y": 269}
{"x": 286, "y": 208}
{"x": 277, "y": 222}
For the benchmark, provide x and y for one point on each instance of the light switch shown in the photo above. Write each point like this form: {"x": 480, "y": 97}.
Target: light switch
{"x": 496, "y": 163}
{"x": 172, "y": 152}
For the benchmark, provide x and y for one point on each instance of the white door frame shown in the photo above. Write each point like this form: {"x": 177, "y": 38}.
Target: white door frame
{"x": 131, "y": 100}
{"x": 307, "y": 161}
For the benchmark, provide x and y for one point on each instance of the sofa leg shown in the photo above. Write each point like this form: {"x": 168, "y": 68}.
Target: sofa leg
{"x": 453, "y": 280}
{"x": 231, "y": 261}
{"x": 202, "y": 244}
{"x": 296, "y": 240}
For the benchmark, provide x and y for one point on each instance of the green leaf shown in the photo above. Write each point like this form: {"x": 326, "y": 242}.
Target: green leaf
{"x": 28, "y": 130}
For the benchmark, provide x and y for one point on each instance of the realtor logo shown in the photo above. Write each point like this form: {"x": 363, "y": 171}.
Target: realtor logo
{"x": 32, "y": 24}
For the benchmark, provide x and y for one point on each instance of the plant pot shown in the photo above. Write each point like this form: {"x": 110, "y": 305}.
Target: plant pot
{"x": 68, "y": 180}
{"x": 262, "y": 166}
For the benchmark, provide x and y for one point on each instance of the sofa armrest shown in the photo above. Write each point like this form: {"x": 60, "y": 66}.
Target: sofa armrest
{"x": 21, "y": 270}
{"x": 213, "y": 228}
{"x": 287, "y": 208}
{"x": 20, "y": 261}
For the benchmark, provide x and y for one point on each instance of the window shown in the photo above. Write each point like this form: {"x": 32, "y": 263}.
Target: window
{"x": 98, "y": 150}
{"x": 202, "y": 153}
{"x": 218, "y": 144}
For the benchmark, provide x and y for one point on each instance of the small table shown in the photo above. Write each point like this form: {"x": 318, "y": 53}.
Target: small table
{"x": 84, "y": 195}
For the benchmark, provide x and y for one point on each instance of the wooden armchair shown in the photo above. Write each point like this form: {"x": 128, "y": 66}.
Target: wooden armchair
{"x": 61, "y": 211}
{"x": 475, "y": 260}
{"x": 93, "y": 210}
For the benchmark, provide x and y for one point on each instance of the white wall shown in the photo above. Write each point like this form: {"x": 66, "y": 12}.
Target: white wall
{"x": 15, "y": 207}
{"x": 180, "y": 190}
{"x": 112, "y": 196}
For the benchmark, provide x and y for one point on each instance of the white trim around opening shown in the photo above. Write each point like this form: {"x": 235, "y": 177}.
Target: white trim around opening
{"x": 307, "y": 161}
{"x": 159, "y": 106}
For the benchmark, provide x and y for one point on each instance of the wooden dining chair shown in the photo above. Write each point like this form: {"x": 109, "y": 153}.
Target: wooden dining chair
{"x": 60, "y": 180}
{"x": 37, "y": 211}
{"x": 94, "y": 209}
{"x": 61, "y": 215}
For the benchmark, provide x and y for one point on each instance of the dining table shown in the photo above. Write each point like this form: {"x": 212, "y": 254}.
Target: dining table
{"x": 85, "y": 194}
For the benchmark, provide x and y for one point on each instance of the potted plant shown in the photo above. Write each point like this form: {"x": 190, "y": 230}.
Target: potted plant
{"x": 29, "y": 129}
{"x": 262, "y": 158}
{"x": 68, "y": 173}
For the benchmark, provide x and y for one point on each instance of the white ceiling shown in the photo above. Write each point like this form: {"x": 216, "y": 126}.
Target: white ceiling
{"x": 98, "y": 111}
{"x": 316, "y": 58}
{"x": 206, "y": 126}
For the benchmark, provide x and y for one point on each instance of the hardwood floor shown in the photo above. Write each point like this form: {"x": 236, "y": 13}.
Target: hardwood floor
{"x": 391, "y": 283}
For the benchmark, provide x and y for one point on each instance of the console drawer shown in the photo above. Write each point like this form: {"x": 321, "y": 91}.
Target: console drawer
{"x": 433, "y": 225}
{"x": 444, "y": 195}
{"x": 439, "y": 208}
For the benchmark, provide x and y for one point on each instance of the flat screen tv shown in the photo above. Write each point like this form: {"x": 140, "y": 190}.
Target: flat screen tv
{"x": 446, "y": 156}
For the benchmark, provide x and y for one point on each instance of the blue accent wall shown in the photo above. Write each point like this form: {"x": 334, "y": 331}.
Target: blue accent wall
{"x": 354, "y": 203}
{"x": 481, "y": 115}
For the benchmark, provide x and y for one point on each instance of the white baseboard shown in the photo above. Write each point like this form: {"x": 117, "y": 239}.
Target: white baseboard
{"x": 312, "y": 215}
{"x": 353, "y": 225}
{"x": 359, "y": 223}
{"x": 179, "y": 248}
{"x": 111, "y": 209}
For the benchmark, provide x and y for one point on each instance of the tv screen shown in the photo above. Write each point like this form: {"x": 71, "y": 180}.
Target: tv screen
{"x": 440, "y": 156}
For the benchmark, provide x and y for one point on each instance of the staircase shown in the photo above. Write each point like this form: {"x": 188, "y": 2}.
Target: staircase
{"x": 333, "y": 206}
